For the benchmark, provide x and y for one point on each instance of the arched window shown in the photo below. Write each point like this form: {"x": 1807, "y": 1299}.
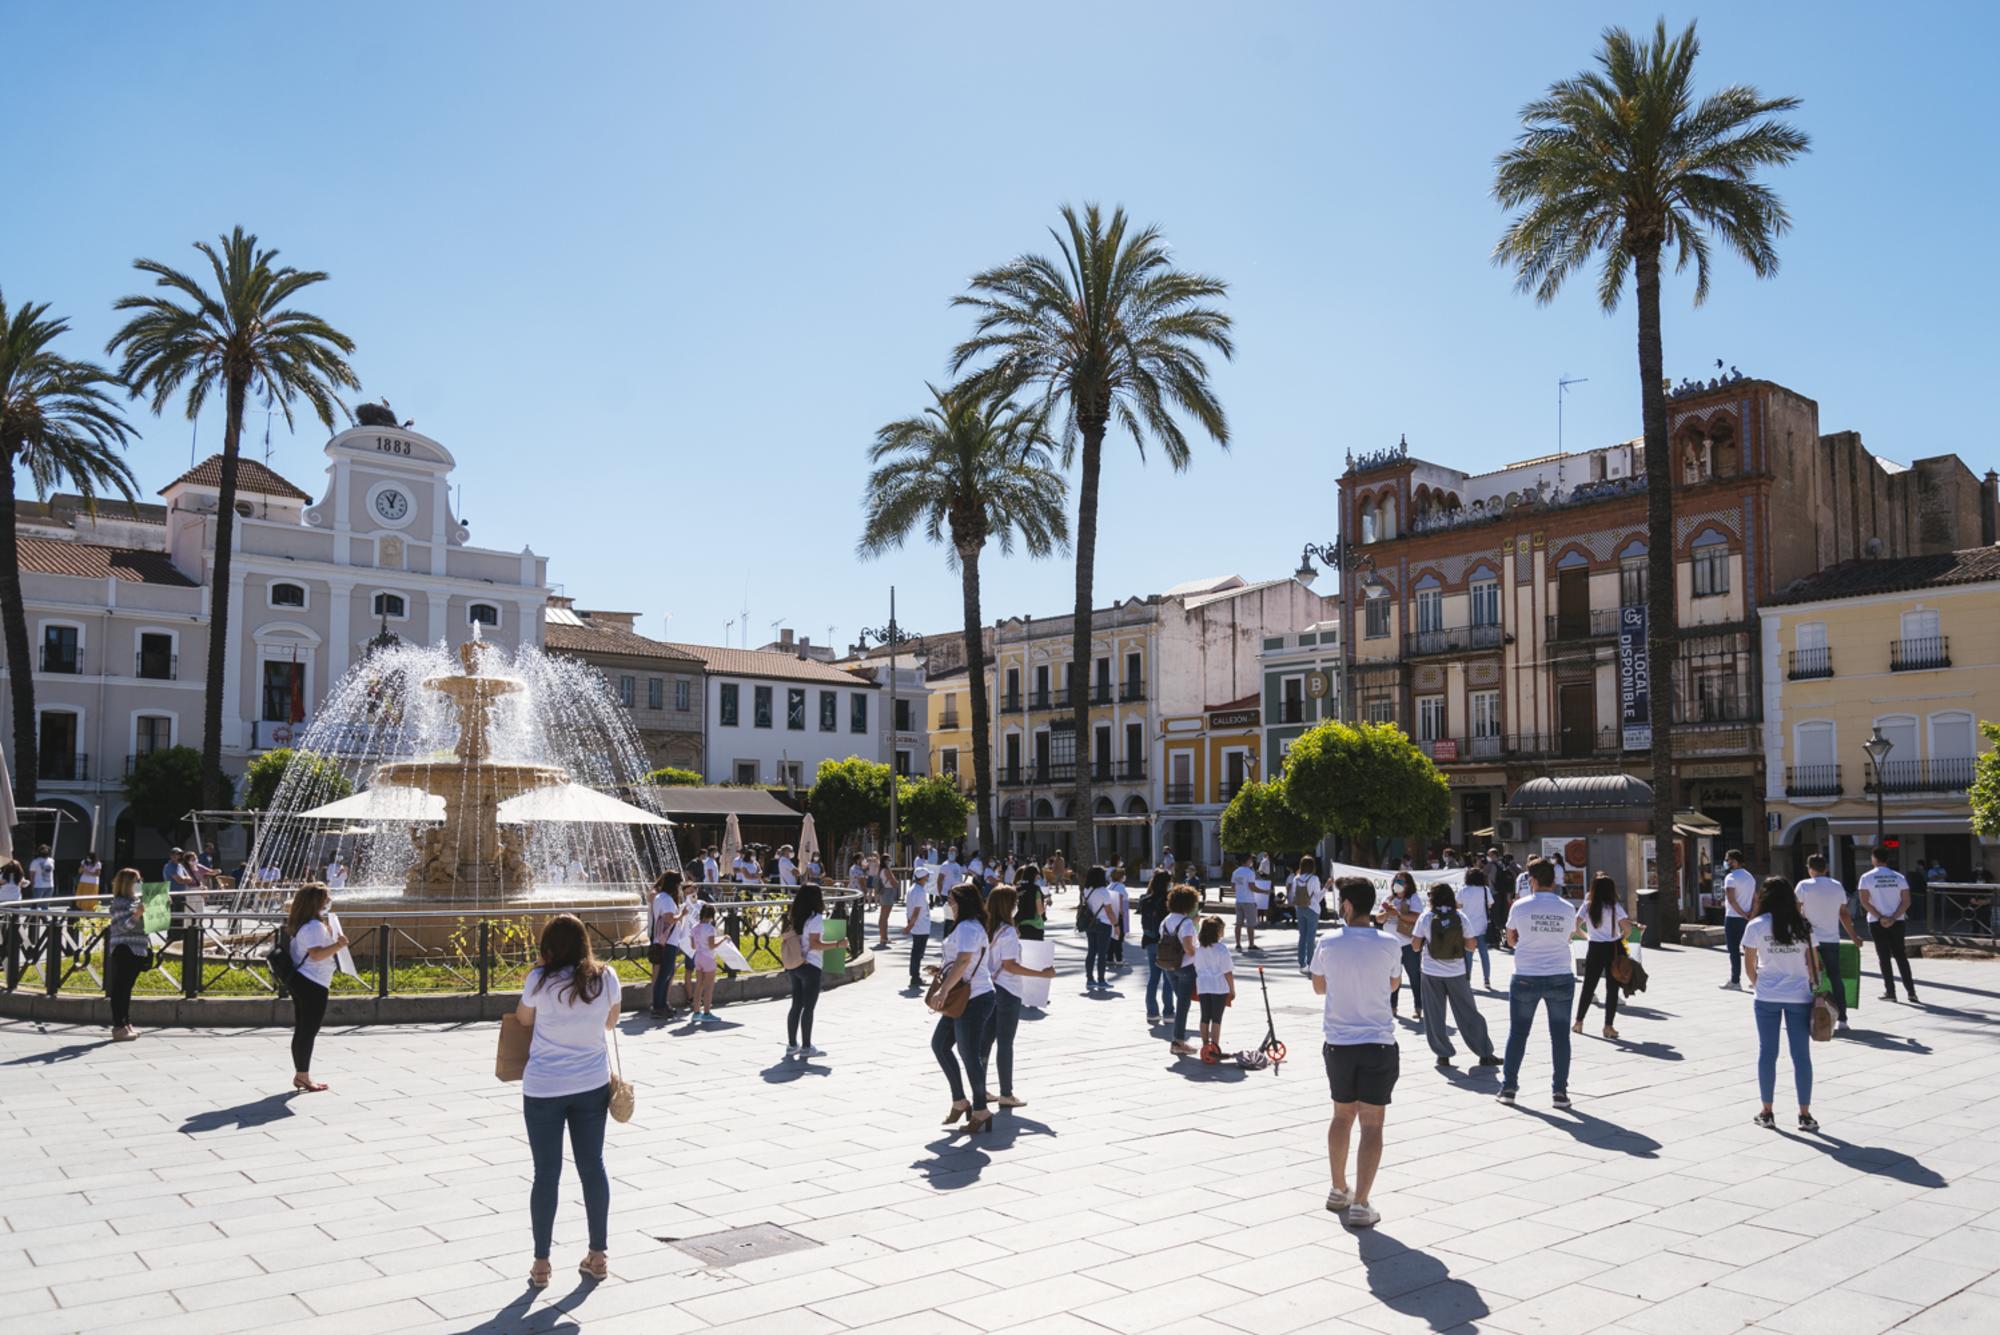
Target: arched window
{"x": 391, "y": 605}
{"x": 288, "y": 595}
{"x": 482, "y": 614}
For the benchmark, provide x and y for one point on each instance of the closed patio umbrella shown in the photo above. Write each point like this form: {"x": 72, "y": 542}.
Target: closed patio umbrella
{"x": 732, "y": 845}
{"x": 808, "y": 841}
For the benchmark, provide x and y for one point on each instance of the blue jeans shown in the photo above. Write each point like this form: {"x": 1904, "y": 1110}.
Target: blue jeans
{"x": 1308, "y": 936}
{"x": 584, "y": 1115}
{"x": 917, "y": 944}
{"x": 1183, "y": 998}
{"x": 1001, "y": 1024}
{"x": 1732, "y": 937}
{"x": 1097, "y": 949}
{"x": 663, "y": 978}
{"x": 1485, "y": 960}
{"x": 966, "y": 1034}
{"x": 1797, "y": 1017}
{"x": 1552, "y": 992}
{"x": 1413, "y": 970}
{"x": 1159, "y": 983}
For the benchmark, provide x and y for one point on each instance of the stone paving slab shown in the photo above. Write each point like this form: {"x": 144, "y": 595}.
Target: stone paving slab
{"x": 176, "y": 1184}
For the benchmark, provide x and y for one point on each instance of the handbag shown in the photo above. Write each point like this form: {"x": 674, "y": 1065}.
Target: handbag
{"x": 791, "y": 951}
{"x": 951, "y": 1003}
{"x": 623, "y": 1098}
{"x": 511, "y": 1060}
{"x": 1823, "y": 1014}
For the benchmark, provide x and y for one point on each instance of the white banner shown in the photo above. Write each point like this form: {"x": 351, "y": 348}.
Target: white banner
{"x": 1036, "y": 955}
{"x": 1451, "y": 876}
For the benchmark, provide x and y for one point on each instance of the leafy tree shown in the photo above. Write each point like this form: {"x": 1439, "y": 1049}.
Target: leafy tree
{"x": 58, "y": 422}
{"x": 1624, "y": 161}
{"x": 932, "y": 808}
{"x": 327, "y": 781}
{"x": 239, "y": 339}
{"x": 667, "y": 776}
{"x": 1366, "y": 781}
{"x": 979, "y": 470}
{"x": 1985, "y": 794}
{"x": 847, "y": 797}
{"x": 163, "y": 787}
{"x": 1259, "y": 820}
{"x": 1112, "y": 333}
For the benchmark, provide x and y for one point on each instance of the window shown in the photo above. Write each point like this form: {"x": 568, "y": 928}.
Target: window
{"x": 1014, "y": 753}
{"x": 792, "y": 773}
{"x": 157, "y": 657}
{"x": 726, "y": 703}
{"x": 1952, "y": 737}
{"x": 902, "y": 762}
{"x": 746, "y": 771}
{"x": 284, "y": 692}
{"x": 627, "y": 691}
{"x": 1815, "y": 744}
{"x": 682, "y": 695}
{"x": 58, "y": 741}
{"x": 1135, "y": 751}
{"x": 948, "y": 761}
{"x": 1041, "y": 685}
{"x": 1922, "y": 624}
{"x": 1375, "y": 619}
{"x": 482, "y": 614}
{"x": 829, "y": 711}
{"x": 1381, "y": 711}
{"x": 656, "y": 693}
{"x": 1293, "y": 706}
{"x": 152, "y": 732}
{"x": 857, "y": 713}
{"x": 391, "y": 605}
{"x": 795, "y": 708}
{"x": 760, "y": 706}
{"x": 1430, "y": 610}
{"x": 1485, "y": 602}
{"x": 1134, "y": 678}
{"x": 1100, "y": 751}
{"x": 1485, "y": 713}
{"x": 61, "y": 649}
{"x": 288, "y": 595}
{"x": 1711, "y": 569}
{"x": 1102, "y": 667}
{"x": 1014, "y": 685}
{"x": 903, "y": 715}
{"x": 1430, "y": 717}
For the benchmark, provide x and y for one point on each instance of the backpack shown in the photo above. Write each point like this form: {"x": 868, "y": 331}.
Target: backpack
{"x": 791, "y": 950}
{"x": 1447, "y": 935}
{"x": 1171, "y": 954}
{"x": 1301, "y": 893}
{"x": 1085, "y": 915}
{"x": 283, "y": 967}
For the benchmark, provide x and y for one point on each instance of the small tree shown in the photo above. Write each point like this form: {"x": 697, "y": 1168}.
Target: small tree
{"x": 163, "y": 787}
{"x": 1259, "y": 820}
{"x": 329, "y": 783}
{"x": 1985, "y": 794}
{"x": 847, "y": 797}
{"x": 668, "y": 776}
{"x": 1366, "y": 781}
{"x": 932, "y": 809}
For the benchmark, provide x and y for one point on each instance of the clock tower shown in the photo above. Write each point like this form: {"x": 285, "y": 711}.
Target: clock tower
{"x": 388, "y": 500}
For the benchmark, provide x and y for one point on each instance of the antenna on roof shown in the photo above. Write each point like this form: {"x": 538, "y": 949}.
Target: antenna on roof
{"x": 1563, "y": 382}
{"x": 746, "y": 612}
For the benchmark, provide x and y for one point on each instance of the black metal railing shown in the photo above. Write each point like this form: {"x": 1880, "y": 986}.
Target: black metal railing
{"x": 1452, "y": 640}
{"x": 1231, "y": 787}
{"x": 1179, "y": 795}
{"x": 947, "y": 721}
{"x": 1924, "y": 651}
{"x": 64, "y": 766}
{"x": 1566, "y": 742}
{"x": 1950, "y": 775}
{"x": 55, "y": 659}
{"x": 1008, "y": 776}
{"x": 1812, "y": 781}
{"x": 1132, "y": 769}
{"x": 1132, "y": 688}
{"x": 1737, "y": 708}
{"x": 1810, "y": 664}
{"x": 1010, "y": 704}
{"x": 1596, "y": 624}
{"x": 1292, "y": 711}
{"x": 1100, "y": 693}
{"x": 156, "y": 666}
{"x": 1048, "y": 700}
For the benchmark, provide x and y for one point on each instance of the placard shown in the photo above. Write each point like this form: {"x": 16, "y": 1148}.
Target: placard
{"x": 1036, "y": 955}
{"x": 834, "y": 958}
{"x": 727, "y": 953}
{"x": 158, "y": 905}
{"x": 344, "y": 961}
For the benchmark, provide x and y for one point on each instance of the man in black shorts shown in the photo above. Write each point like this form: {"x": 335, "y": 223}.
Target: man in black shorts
{"x": 1357, "y": 969}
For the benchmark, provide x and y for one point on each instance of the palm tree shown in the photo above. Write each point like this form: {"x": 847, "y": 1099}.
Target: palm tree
{"x": 240, "y": 338}
{"x": 1111, "y": 332}
{"x": 1624, "y": 161}
{"x": 982, "y": 470}
{"x": 57, "y": 421}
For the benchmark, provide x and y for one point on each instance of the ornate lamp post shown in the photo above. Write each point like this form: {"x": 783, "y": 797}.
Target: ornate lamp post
{"x": 894, "y": 637}
{"x": 1878, "y": 748}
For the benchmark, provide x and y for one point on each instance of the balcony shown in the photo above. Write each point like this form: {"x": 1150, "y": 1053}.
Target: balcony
{"x": 59, "y": 659}
{"x": 948, "y": 721}
{"x": 1952, "y": 775}
{"x": 1043, "y": 700}
{"x": 1008, "y": 776}
{"x": 1231, "y": 787}
{"x": 1452, "y": 750}
{"x": 63, "y": 767}
{"x": 1291, "y": 711}
{"x": 1100, "y": 693}
{"x": 1179, "y": 795}
{"x": 1130, "y": 690}
{"x": 1600, "y": 623}
{"x": 1010, "y": 704}
{"x": 1812, "y": 781}
{"x": 1132, "y": 770}
{"x": 1919, "y": 654}
{"x": 1809, "y": 664}
{"x": 1733, "y": 708}
{"x": 1452, "y": 640}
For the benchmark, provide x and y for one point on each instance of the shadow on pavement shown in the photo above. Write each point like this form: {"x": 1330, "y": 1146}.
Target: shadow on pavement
{"x": 1871, "y": 1038}
{"x": 516, "y": 1316}
{"x": 1196, "y": 1071}
{"x": 1596, "y": 1131}
{"x": 260, "y": 1112}
{"x": 67, "y": 1053}
{"x": 1665, "y": 1052}
{"x": 1408, "y": 1281}
{"x": 1875, "y": 1160}
{"x": 790, "y": 1069}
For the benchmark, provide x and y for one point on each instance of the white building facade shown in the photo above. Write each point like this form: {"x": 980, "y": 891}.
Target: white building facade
{"x": 771, "y": 718}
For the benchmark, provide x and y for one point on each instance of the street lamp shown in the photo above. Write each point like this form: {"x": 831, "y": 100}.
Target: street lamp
{"x": 1878, "y": 748}
{"x": 894, "y": 637}
{"x": 1343, "y": 555}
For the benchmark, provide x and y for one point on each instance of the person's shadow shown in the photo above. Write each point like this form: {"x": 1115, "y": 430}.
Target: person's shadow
{"x": 1875, "y": 1160}
{"x": 68, "y": 1053}
{"x": 791, "y": 1069}
{"x": 260, "y": 1112}
{"x": 1408, "y": 1281}
{"x": 955, "y": 1161}
{"x": 1596, "y": 1131}
{"x": 522, "y": 1315}
{"x": 1881, "y": 1042}
{"x": 1665, "y": 1052}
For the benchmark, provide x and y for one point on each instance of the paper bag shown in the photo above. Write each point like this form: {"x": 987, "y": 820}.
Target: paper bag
{"x": 512, "y": 1059}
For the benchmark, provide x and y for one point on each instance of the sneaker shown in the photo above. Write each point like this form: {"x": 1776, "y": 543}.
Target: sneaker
{"x": 1887, "y": 996}
{"x": 1913, "y": 997}
{"x": 1732, "y": 986}
{"x": 1766, "y": 1120}
{"x": 1337, "y": 1201}
{"x": 1363, "y": 1216}
{"x": 1560, "y": 1099}
{"x": 1152, "y": 1018}
{"x": 1807, "y": 1122}
{"x": 1840, "y": 1026}
{"x": 1505, "y": 1096}
{"x": 810, "y": 1051}
{"x": 791, "y": 1049}
{"x": 1491, "y": 1061}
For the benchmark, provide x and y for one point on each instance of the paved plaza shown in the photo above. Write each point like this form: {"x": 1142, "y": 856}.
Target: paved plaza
{"x": 173, "y": 1185}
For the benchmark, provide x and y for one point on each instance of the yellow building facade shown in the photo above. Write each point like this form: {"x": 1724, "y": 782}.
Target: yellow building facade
{"x": 1205, "y": 759}
{"x": 1909, "y": 647}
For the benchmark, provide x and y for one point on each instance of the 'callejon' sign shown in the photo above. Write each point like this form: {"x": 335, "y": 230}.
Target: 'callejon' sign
{"x": 1634, "y": 680}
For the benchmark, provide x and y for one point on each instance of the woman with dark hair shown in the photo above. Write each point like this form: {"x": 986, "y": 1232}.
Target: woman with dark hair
{"x": 965, "y": 956}
{"x": 1783, "y": 968}
{"x": 568, "y": 1002}
{"x": 1095, "y": 909}
{"x": 1443, "y": 939}
{"x": 1030, "y": 916}
{"x": 1399, "y": 915}
{"x": 1179, "y": 939}
{"x": 314, "y": 944}
{"x": 1604, "y": 922}
{"x": 668, "y": 913}
{"x": 805, "y": 916}
{"x": 1153, "y": 911}
{"x": 126, "y": 949}
{"x": 1004, "y": 962}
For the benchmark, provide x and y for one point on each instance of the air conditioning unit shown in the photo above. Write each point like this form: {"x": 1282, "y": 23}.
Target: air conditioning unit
{"x": 1510, "y": 830}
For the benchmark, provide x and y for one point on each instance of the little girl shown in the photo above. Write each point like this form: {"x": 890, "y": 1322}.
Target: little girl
{"x": 703, "y": 935}
{"x": 1214, "y": 981}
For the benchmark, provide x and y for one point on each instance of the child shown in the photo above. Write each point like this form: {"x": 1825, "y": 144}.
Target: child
{"x": 703, "y": 936}
{"x": 1214, "y": 981}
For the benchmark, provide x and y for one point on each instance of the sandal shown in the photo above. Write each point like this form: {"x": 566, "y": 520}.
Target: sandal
{"x": 538, "y": 1275}
{"x": 1609, "y": 1032}
{"x": 595, "y": 1265}
{"x": 957, "y": 1110}
{"x": 308, "y": 1084}
{"x": 1576, "y": 1028}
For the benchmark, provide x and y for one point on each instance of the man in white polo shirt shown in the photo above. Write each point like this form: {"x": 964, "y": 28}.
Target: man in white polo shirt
{"x": 1539, "y": 928}
{"x": 1244, "y": 879}
{"x": 1824, "y": 902}
{"x": 1886, "y": 897}
{"x": 1357, "y": 969}
{"x": 1739, "y": 900}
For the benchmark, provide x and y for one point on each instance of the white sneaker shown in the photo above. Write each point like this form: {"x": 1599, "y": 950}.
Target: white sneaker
{"x": 1337, "y": 1201}
{"x": 1363, "y": 1216}
{"x": 810, "y": 1051}
{"x": 1732, "y": 987}
{"x": 791, "y": 1049}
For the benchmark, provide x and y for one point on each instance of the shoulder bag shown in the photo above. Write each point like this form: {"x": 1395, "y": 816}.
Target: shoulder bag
{"x": 511, "y": 1061}
{"x": 1823, "y": 1013}
{"x": 623, "y": 1098}
{"x": 791, "y": 950}
{"x": 951, "y": 1002}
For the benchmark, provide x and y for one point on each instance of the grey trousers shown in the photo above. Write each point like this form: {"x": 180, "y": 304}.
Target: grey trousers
{"x": 1457, "y": 990}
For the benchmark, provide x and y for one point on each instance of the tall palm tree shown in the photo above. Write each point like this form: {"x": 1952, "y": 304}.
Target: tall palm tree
{"x": 969, "y": 470}
{"x": 1624, "y": 161}
{"x": 1111, "y": 332}
{"x": 58, "y": 421}
{"x": 241, "y": 338}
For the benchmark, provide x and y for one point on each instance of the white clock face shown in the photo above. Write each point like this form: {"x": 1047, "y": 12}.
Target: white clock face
{"x": 392, "y": 505}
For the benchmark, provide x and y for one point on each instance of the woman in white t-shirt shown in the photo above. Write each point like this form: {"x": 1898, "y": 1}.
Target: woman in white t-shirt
{"x": 1121, "y": 917}
{"x": 1003, "y": 961}
{"x": 1306, "y": 893}
{"x": 1400, "y": 916}
{"x": 569, "y": 1001}
{"x": 1604, "y": 923}
{"x": 1214, "y": 981}
{"x": 1475, "y": 902}
{"x": 1783, "y": 967}
{"x": 788, "y": 869}
{"x": 88, "y": 874}
{"x": 965, "y": 956}
{"x": 666, "y": 917}
{"x": 315, "y": 942}
{"x": 1179, "y": 926}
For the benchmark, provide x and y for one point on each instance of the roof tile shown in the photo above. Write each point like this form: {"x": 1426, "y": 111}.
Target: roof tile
{"x": 251, "y": 476}
{"x": 759, "y": 663}
{"x": 1871, "y": 575}
{"x": 89, "y": 560}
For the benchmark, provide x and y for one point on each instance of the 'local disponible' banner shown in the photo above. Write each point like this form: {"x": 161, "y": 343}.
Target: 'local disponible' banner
{"x": 1634, "y": 680}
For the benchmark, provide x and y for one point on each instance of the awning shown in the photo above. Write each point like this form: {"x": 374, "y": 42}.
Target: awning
{"x": 1864, "y": 827}
{"x": 719, "y": 803}
{"x": 573, "y": 804}
{"x": 388, "y": 802}
{"x": 1693, "y": 822}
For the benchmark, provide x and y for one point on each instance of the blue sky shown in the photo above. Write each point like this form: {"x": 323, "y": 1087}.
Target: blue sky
{"x": 655, "y": 273}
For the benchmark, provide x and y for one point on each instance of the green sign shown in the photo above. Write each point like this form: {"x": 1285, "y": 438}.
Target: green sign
{"x": 158, "y": 906}
{"x": 834, "y": 957}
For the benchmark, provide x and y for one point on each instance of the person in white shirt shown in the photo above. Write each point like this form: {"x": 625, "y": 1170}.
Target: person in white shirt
{"x": 1399, "y": 915}
{"x": 1539, "y": 928}
{"x": 1177, "y": 944}
{"x": 88, "y": 874}
{"x": 1475, "y": 901}
{"x": 1214, "y": 984}
{"x": 315, "y": 944}
{"x": 917, "y": 920}
{"x": 1243, "y": 881}
{"x": 950, "y": 874}
{"x": 41, "y": 874}
{"x": 1604, "y": 923}
{"x": 336, "y": 875}
{"x": 1121, "y": 919}
{"x": 965, "y": 957}
{"x": 665, "y": 915}
{"x": 1784, "y": 970}
{"x": 1885, "y": 895}
{"x": 1824, "y": 902}
{"x": 569, "y": 1001}
{"x": 1095, "y": 909}
{"x": 1357, "y": 969}
{"x": 805, "y": 917}
{"x": 1167, "y": 860}
{"x": 788, "y": 869}
{"x": 711, "y": 867}
{"x": 1443, "y": 940}
{"x": 1306, "y": 894}
{"x": 1739, "y": 904}
{"x": 1004, "y": 962}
